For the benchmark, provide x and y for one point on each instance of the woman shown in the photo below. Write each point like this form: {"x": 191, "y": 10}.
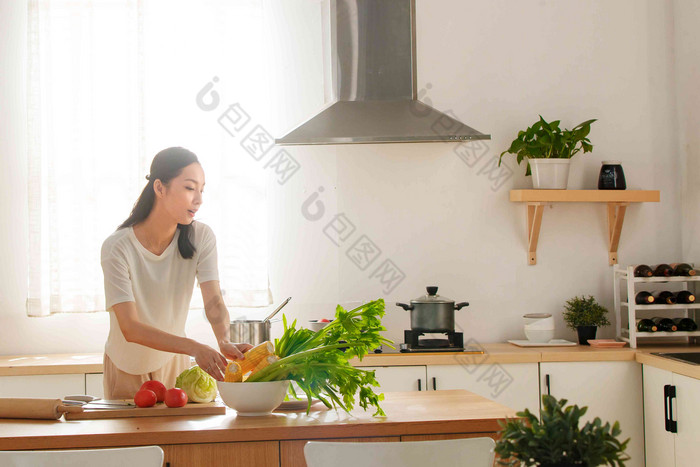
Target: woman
{"x": 149, "y": 266}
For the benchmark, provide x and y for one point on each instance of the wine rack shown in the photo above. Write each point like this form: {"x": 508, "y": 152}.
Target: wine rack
{"x": 629, "y": 333}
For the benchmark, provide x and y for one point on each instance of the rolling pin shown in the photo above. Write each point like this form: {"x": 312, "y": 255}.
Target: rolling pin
{"x": 44, "y": 409}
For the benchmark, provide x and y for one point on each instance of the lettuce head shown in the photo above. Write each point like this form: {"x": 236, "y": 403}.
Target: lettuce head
{"x": 198, "y": 384}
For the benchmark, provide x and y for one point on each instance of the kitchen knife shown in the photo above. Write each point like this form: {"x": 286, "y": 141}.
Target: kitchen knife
{"x": 119, "y": 403}
{"x": 99, "y": 406}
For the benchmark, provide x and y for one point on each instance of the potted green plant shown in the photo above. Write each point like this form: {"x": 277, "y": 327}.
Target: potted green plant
{"x": 548, "y": 150}
{"x": 557, "y": 440}
{"x": 584, "y": 315}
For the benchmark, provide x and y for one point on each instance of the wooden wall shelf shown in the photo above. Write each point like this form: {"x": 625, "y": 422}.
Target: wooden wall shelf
{"x": 617, "y": 201}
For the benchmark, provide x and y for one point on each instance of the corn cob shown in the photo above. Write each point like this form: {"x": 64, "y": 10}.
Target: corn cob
{"x": 254, "y": 355}
{"x": 265, "y": 362}
{"x": 233, "y": 373}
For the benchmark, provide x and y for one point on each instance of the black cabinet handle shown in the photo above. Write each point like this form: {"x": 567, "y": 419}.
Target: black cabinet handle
{"x": 666, "y": 406}
{"x": 546, "y": 384}
{"x": 419, "y": 385}
{"x": 434, "y": 383}
{"x": 669, "y": 394}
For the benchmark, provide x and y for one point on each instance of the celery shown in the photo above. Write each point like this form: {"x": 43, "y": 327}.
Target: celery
{"x": 318, "y": 361}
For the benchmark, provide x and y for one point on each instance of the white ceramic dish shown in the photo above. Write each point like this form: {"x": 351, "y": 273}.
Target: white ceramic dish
{"x": 253, "y": 399}
{"x": 552, "y": 343}
{"x": 296, "y": 405}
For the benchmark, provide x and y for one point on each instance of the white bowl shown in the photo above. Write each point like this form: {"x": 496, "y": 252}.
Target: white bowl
{"x": 253, "y": 399}
{"x": 316, "y": 326}
{"x": 539, "y": 335}
{"x": 544, "y": 321}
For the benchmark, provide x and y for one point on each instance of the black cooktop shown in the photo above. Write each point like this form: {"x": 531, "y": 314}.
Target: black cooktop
{"x": 468, "y": 350}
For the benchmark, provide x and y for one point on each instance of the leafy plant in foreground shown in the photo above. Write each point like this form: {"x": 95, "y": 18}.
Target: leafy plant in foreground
{"x": 557, "y": 439}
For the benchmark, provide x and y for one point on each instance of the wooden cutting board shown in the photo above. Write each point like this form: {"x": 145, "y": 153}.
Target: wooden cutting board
{"x": 158, "y": 410}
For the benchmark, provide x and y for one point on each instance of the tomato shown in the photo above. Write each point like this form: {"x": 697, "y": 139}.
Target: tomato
{"x": 175, "y": 397}
{"x": 145, "y": 398}
{"x": 157, "y": 387}
{"x": 324, "y": 320}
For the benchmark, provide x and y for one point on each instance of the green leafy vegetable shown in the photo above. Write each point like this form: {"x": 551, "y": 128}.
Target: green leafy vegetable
{"x": 198, "y": 384}
{"x": 318, "y": 361}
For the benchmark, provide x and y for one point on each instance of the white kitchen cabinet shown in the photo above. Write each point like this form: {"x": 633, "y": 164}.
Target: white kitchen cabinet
{"x": 42, "y": 386}
{"x": 610, "y": 390}
{"x": 659, "y": 444}
{"x": 400, "y": 378}
{"x": 688, "y": 419}
{"x": 93, "y": 384}
{"x": 663, "y": 447}
{"x": 515, "y": 385}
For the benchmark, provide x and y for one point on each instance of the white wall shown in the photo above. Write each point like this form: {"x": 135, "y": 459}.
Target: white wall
{"x": 496, "y": 65}
{"x": 687, "y": 60}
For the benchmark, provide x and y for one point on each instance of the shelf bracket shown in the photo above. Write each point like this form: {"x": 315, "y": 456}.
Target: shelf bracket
{"x": 617, "y": 201}
{"x": 534, "y": 222}
{"x": 616, "y": 216}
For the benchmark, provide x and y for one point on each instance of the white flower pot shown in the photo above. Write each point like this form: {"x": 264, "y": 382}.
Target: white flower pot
{"x": 549, "y": 174}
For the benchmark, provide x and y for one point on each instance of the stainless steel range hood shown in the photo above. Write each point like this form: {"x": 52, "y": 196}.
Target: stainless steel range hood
{"x": 373, "y": 80}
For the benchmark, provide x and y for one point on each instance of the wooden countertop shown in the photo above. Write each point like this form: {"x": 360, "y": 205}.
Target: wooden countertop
{"x": 493, "y": 353}
{"x": 408, "y": 413}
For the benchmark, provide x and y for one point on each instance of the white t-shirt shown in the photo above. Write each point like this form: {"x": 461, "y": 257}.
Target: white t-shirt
{"x": 161, "y": 286}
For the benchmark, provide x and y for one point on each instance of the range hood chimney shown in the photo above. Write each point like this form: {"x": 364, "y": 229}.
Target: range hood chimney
{"x": 373, "y": 79}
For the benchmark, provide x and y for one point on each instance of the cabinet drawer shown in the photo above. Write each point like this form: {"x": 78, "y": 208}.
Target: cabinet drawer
{"x": 400, "y": 378}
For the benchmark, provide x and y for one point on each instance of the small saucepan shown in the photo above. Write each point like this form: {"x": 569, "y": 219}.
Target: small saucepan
{"x": 432, "y": 313}
{"x": 253, "y": 331}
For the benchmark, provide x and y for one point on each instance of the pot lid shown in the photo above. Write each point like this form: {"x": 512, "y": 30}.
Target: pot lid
{"x": 432, "y": 297}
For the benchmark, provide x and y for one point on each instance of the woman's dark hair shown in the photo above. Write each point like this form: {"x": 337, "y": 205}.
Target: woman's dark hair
{"x": 166, "y": 165}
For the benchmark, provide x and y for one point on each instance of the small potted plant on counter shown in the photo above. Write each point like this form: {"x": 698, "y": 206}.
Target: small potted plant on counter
{"x": 557, "y": 441}
{"x": 584, "y": 315}
{"x": 548, "y": 150}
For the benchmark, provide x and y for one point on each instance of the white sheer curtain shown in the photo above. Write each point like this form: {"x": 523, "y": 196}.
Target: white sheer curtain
{"x": 112, "y": 82}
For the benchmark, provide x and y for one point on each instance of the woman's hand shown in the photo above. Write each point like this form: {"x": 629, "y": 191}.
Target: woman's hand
{"x": 234, "y": 351}
{"x": 210, "y": 361}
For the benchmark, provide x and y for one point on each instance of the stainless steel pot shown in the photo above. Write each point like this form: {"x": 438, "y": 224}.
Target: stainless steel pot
{"x": 432, "y": 313}
{"x": 250, "y": 331}
{"x": 253, "y": 331}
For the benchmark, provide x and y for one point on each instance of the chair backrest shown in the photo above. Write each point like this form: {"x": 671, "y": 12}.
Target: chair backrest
{"x": 471, "y": 452}
{"x": 144, "y": 456}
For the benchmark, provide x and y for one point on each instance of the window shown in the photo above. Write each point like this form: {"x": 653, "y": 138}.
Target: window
{"x": 110, "y": 84}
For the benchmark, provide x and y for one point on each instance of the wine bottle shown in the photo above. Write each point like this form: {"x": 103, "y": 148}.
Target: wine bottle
{"x": 665, "y": 298}
{"x": 644, "y": 298}
{"x": 683, "y": 269}
{"x": 665, "y": 324}
{"x": 685, "y": 324}
{"x": 685, "y": 297}
{"x": 663, "y": 270}
{"x": 643, "y": 270}
{"x": 646, "y": 325}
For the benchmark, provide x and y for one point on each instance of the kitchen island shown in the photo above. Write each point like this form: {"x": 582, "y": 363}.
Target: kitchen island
{"x": 274, "y": 440}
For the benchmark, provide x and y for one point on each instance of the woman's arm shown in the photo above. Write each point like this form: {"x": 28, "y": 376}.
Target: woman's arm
{"x": 135, "y": 331}
{"x": 218, "y": 317}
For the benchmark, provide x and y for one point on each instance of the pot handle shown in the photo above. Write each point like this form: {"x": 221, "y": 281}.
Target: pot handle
{"x": 461, "y": 305}
{"x": 404, "y": 306}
